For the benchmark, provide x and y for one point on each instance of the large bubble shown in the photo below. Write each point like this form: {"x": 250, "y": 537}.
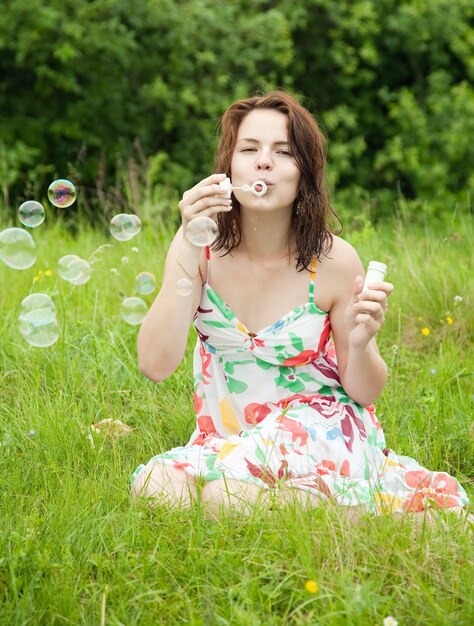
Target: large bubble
{"x": 201, "y": 231}
{"x": 31, "y": 213}
{"x": 17, "y": 248}
{"x": 62, "y": 193}
{"x": 124, "y": 226}
{"x": 37, "y": 320}
{"x": 145, "y": 283}
{"x": 133, "y": 310}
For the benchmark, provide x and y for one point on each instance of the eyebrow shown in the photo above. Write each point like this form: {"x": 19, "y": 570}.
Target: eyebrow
{"x": 275, "y": 143}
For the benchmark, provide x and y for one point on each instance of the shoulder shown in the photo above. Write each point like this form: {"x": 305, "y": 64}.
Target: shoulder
{"x": 342, "y": 259}
{"x": 338, "y": 269}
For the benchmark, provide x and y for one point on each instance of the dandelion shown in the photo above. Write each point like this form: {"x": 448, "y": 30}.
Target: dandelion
{"x": 449, "y": 319}
{"x": 48, "y": 273}
{"x": 311, "y": 586}
{"x": 425, "y": 331}
{"x": 390, "y": 621}
{"x": 457, "y": 299}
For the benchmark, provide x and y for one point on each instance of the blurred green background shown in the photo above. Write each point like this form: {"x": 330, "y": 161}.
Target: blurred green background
{"x": 123, "y": 98}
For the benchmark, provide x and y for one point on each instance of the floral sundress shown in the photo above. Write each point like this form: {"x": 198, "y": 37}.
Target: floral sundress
{"x": 271, "y": 411}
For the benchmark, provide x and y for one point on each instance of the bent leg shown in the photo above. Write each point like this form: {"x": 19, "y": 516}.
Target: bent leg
{"x": 162, "y": 482}
{"x": 218, "y": 496}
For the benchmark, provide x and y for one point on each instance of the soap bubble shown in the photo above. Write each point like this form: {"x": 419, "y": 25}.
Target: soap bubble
{"x": 81, "y": 271}
{"x": 63, "y": 266}
{"x": 37, "y": 320}
{"x": 75, "y": 270}
{"x": 17, "y": 248}
{"x": 62, "y": 193}
{"x": 41, "y": 304}
{"x": 39, "y": 336}
{"x": 124, "y": 226}
{"x": 184, "y": 287}
{"x": 145, "y": 283}
{"x": 31, "y": 213}
{"x": 201, "y": 231}
{"x": 133, "y": 310}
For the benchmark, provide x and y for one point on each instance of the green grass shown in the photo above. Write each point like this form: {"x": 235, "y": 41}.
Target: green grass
{"x": 74, "y": 550}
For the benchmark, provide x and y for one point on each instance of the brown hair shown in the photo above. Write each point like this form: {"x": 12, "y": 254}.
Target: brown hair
{"x": 310, "y": 228}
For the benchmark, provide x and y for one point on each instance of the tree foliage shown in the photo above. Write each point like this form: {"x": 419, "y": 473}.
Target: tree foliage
{"x": 91, "y": 89}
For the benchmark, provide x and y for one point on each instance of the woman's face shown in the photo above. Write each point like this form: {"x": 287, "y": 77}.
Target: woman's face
{"x": 262, "y": 153}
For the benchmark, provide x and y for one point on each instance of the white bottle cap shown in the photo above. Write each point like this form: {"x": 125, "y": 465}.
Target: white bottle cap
{"x": 375, "y": 273}
{"x": 376, "y": 265}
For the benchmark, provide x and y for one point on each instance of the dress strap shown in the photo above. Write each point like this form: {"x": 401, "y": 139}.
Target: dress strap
{"x": 208, "y": 263}
{"x": 312, "y": 276}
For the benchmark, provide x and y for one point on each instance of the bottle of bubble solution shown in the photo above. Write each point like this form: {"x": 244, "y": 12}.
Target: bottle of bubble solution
{"x": 375, "y": 273}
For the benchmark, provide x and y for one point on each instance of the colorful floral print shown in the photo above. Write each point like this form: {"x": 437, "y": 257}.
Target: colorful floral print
{"x": 271, "y": 411}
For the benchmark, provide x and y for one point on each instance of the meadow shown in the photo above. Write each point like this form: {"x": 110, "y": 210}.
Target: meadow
{"x": 75, "y": 550}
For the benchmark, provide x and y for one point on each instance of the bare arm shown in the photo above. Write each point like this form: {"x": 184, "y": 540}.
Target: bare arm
{"x": 356, "y": 317}
{"x": 164, "y": 332}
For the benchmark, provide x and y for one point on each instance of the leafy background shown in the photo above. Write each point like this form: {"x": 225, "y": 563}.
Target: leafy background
{"x": 124, "y": 97}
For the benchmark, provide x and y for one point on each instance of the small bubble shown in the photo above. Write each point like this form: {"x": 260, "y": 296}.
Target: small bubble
{"x": 62, "y": 193}
{"x": 184, "y": 287}
{"x": 124, "y": 226}
{"x": 145, "y": 283}
{"x": 124, "y": 260}
{"x": 133, "y": 310}
{"x": 31, "y": 213}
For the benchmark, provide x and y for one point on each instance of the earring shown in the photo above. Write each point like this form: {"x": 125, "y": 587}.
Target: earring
{"x": 299, "y": 207}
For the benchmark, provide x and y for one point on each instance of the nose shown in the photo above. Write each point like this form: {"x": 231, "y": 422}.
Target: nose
{"x": 264, "y": 161}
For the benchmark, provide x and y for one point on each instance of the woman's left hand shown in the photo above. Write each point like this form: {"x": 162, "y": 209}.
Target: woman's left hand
{"x": 365, "y": 312}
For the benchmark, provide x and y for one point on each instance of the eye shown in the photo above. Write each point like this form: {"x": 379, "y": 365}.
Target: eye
{"x": 285, "y": 152}
{"x": 248, "y": 149}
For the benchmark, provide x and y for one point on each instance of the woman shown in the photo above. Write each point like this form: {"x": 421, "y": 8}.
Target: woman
{"x": 286, "y": 363}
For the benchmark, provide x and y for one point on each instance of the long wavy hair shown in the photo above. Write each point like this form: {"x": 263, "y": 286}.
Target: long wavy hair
{"x": 313, "y": 218}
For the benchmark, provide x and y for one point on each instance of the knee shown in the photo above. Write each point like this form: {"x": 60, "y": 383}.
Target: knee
{"x": 166, "y": 483}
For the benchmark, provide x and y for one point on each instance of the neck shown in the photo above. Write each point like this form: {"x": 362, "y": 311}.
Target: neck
{"x": 265, "y": 236}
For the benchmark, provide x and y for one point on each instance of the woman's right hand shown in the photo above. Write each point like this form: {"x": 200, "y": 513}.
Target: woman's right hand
{"x": 204, "y": 199}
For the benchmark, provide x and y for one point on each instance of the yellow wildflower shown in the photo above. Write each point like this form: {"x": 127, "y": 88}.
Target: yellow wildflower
{"x": 311, "y": 586}
{"x": 48, "y": 273}
{"x": 425, "y": 331}
{"x": 449, "y": 319}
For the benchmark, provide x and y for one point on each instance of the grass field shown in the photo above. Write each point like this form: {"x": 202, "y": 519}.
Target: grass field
{"x": 74, "y": 550}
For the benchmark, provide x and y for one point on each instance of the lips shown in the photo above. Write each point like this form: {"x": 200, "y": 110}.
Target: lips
{"x": 267, "y": 182}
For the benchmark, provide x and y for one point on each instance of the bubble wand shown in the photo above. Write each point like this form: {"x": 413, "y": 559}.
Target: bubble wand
{"x": 258, "y": 188}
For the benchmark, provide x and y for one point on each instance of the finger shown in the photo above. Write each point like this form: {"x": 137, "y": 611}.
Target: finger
{"x": 387, "y": 288}
{"x": 196, "y": 193}
{"x": 369, "y": 307}
{"x": 197, "y": 208}
{"x": 213, "y": 179}
{"x": 368, "y": 320}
